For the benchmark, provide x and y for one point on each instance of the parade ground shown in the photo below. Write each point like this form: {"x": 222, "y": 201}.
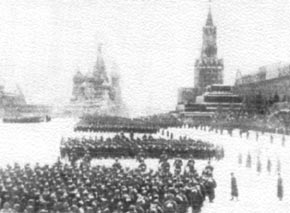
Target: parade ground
{"x": 40, "y": 143}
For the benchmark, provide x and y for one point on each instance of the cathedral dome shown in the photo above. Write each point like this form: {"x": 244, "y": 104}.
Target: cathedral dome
{"x": 78, "y": 78}
{"x": 115, "y": 74}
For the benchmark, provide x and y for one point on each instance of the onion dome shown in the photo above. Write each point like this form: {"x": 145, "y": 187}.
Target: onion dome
{"x": 115, "y": 74}
{"x": 78, "y": 78}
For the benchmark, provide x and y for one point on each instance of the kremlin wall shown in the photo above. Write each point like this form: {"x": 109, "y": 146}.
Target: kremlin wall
{"x": 269, "y": 81}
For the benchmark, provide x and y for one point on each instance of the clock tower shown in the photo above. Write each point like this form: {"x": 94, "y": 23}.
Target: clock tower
{"x": 208, "y": 68}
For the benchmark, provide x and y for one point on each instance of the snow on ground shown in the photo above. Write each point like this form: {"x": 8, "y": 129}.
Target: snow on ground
{"x": 31, "y": 143}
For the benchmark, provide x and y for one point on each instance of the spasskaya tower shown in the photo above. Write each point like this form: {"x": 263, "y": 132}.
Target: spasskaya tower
{"x": 208, "y": 68}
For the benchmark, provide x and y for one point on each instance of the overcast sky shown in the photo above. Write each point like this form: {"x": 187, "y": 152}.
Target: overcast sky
{"x": 154, "y": 42}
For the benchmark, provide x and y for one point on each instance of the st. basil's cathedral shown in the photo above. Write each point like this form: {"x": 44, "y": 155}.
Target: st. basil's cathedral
{"x": 97, "y": 92}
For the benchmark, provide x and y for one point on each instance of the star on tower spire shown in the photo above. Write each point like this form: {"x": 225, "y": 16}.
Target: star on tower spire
{"x": 209, "y": 21}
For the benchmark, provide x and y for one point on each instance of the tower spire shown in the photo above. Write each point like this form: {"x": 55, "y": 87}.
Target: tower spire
{"x": 209, "y": 21}
{"x": 208, "y": 68}
{"x": 100, "y": 45}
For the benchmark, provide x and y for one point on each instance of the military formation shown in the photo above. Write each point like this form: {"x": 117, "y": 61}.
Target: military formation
{"x": 121, "y": 146}
{"x": 78, "y": 186}
{"x": 150, "y": 124}
{"x": 82, "y": 188}
{"x": 115, "y": 128}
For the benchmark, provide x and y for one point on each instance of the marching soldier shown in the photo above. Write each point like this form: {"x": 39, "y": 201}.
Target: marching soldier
{"x": 170, "y": 205}
{"x": 181, "y": 201}
{"x": 163, "y": 157}
{"x": 165, "y": 167}
{"x": 117, "y": 164}
{"x": 210, "y": 185}
{"x": 142, "y": 166}
{"x": 178, "y": 162}
{"x": 196, "y": 197}
{"x": 190, "y": 165}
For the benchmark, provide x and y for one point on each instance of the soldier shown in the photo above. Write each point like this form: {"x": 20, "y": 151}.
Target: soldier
{"x": 156, "y": 207}
{"x": 240, "y": 132}
{"x": 280, "y": 187}
{"x": 190, "y": 165}
{"x": 271, "y": 138}
{"x": 249, "y": 161}
{"x": 117, "y": 164}
{"x": 16, "y": 208}
{"x": 230, "y": 131}
{"x": 196, "y": 196}
{"x": 234, "y": 187}
{"x": 131, "y": 135}
{"x": 142, "y": 166}
{"x": 283, "y": 140}
{"x": 165, "y": 167}
{"x": 6, "y": 208}
{"x": 278, "y": 166}
{"x": 181, "y": 200}
{"x": 163, "y": 157}
{"x": 140, "y": 156}
{"x": 259, "y": 165}
{"x": 209, "y": 167}
{"x": 269, "y": 165}
{"x": 210, "y": 185}
{"x": 240, "y": 159}
{"x": 170, "y": 205}
{"x": 29, "y": 209}
{"x": 178, "y": 162}
{"x": 257, "y": 136}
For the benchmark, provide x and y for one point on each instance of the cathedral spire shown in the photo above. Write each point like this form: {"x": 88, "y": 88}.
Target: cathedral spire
{"x": 209, "y": 21}
{"x": 100, "y": 64}
{"x": 100, "y": 68}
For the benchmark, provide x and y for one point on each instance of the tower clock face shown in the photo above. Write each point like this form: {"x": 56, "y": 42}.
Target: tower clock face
{"x": 211, "y": 39}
